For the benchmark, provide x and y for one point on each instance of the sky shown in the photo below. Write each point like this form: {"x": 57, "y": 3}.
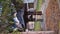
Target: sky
{"x": 28, "y": 1}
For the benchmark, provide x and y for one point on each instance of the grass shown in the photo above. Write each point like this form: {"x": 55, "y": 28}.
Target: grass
{"x": 37, "y": 26}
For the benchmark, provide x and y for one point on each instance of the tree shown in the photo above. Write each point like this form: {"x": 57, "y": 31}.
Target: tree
{"x": 18, "y": 4}
{"x": 6, "y": 17}
{"x": 52, "y": 16}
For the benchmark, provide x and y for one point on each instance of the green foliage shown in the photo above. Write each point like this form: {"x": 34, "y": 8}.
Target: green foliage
{"x": 6, "y": 18}
{"x": 1, "y": 0}
{"x": 6, "y": 8}
{"x": 39, "y": 5}
{"x": 6, "y": 13}
{"x": 20, "y": 1}
{"x": 37, "y": 26}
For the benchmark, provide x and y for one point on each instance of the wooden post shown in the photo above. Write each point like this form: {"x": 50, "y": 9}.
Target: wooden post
{"x": 52, "y": 16}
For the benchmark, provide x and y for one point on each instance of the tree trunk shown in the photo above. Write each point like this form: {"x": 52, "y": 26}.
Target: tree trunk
{"x": 52, "y": 16}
